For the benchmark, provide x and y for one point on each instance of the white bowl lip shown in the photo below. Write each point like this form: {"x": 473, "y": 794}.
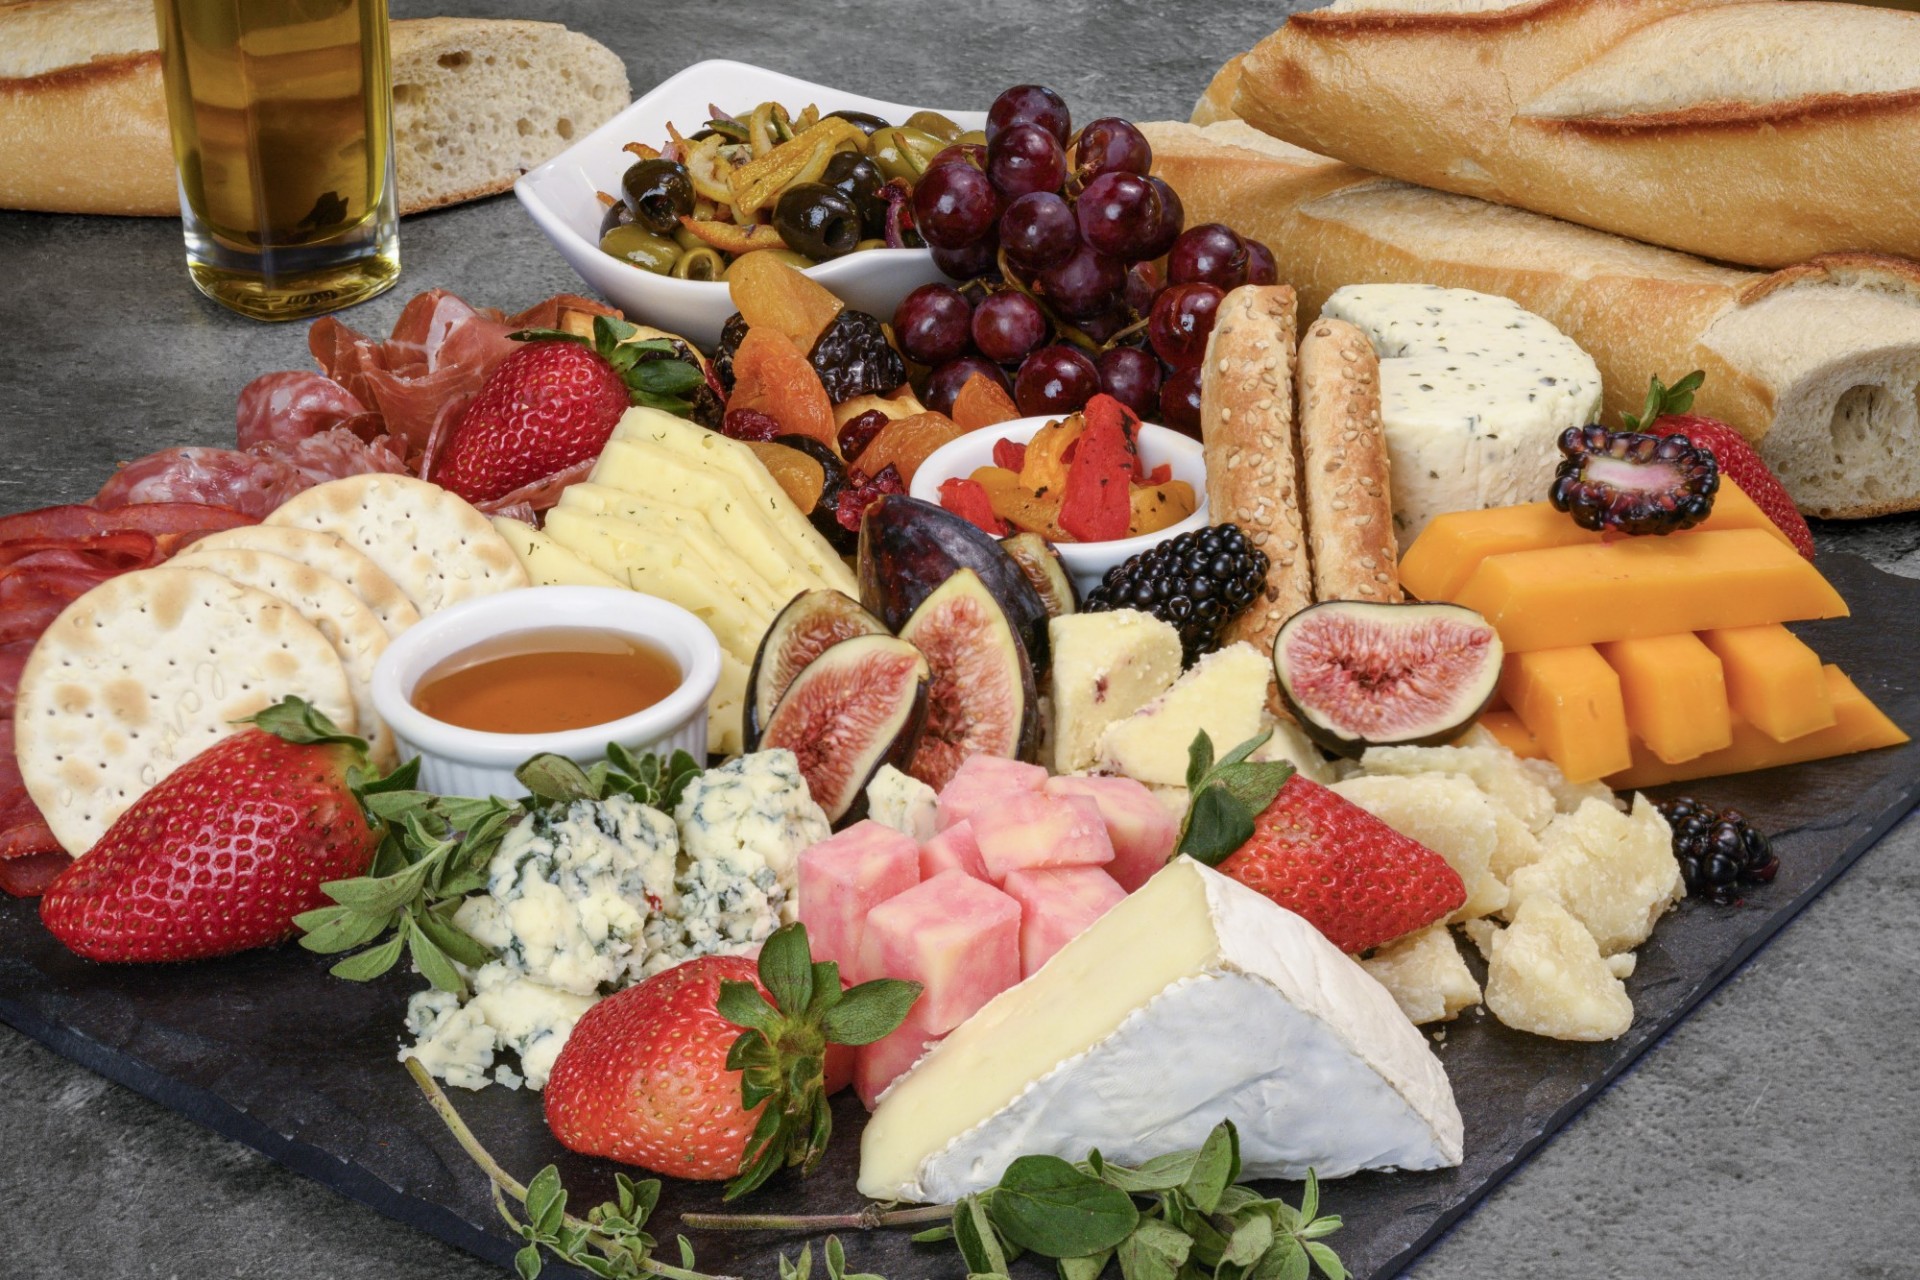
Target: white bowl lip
{"x": 527, "y": 187}
{"x": 940, "y": 465}
{"x": 686, "y": 637}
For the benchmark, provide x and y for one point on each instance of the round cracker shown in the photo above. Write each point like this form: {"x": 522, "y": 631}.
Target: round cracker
{"x": 328, "y": 554}
{"x": 147, "y": 670}
{"x": 349, "y": 626}
{"x": 432, "y": 542}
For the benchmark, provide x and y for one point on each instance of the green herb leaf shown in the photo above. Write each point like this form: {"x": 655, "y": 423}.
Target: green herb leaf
{"x": 368, "y": 965}
{"x": 526, "y": 1263}
{"x": 1250, "y": 1239}
{"x": 1215, "y": 1169}
{"x": 382, "y": 896}
{"x": 430, "y": 960}
{"x": 556, "y": 779}
{"x": 1046, "y": 1205}
{"x": 1155, "y": 1250}
{"x": 328, "y": 930}
{"x": 1327, "y": 1260}
{"x": 1085, "y": 1268}
{"x": 461, "y": 947}
{"x": 870, "y": 1011}
{"x": 973, "y": 1233}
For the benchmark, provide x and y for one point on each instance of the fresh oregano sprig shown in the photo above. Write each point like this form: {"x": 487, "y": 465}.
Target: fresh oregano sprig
{"x": 1225, "y": 796}
{"x": 836, "y": 1256}
{"x": 436, "y": 850}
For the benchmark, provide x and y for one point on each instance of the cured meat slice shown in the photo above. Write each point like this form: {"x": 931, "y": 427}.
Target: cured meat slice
{"x": 30, "y": 873}
{"x": 291, "y": 406}
{"x": 335, "y": 454}
{"x": 229, "y": 478}
{"x": 117, "y": 552}
{"x": 163, "y": 520}
{"x": 13, "y": 660}
{"x": 540, "y": 494}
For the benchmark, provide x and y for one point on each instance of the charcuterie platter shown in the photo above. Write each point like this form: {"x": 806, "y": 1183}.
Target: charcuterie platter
{"x": 1190, "y": 741}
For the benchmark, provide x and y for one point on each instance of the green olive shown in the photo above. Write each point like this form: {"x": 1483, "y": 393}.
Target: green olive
{"x": 634, "y": 243}
{"x": 934, "y": 123}
{"x": 903, "y": 152}
{"x": 687, "y": 241}
{"x": 788, "y": 256}
{"x": 870, "y": 244}
{"x": 970, "y": 137}
{"x": 703, "y": 263}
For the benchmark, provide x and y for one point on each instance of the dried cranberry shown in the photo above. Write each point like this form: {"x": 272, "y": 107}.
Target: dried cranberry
{"x": 859, "y": 430}
{"x": 749, "y": 424}
{"x": 863, "y": 491}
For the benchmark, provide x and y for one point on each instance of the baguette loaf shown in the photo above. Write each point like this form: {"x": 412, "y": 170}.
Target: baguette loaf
{"x": 1818, "y": 363}
{"x": 1761, "y": 133}
{"x": 1343, "y": 466}
{"x": 1246, "y": 422}
{"x": 476, "y": 103}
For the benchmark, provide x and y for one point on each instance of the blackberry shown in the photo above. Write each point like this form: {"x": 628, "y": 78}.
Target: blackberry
{"x": 854, "y": 357}
{"x": 1718, "y": 850}
{"x": 1633, "y": 482}
{"x": 1197, "y": 583}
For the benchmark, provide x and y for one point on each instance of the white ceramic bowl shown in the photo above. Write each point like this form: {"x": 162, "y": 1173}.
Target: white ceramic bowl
{"x": 1086, "y": 562}
{"x": 561, "y": 196}
{"x": 465, "y": 762}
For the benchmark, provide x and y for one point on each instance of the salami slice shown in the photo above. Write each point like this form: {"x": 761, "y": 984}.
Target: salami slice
{"x": 244, "y": 482}
{"x": 30, "y": 872}
{"x": 335, "y": 454}
{"x": 161, "y": 519}
{"x": 291, "y": 406}
{"x": 118, "y": 552}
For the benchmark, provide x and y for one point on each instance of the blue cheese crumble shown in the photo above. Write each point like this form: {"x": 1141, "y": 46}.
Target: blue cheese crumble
{"x": 903, "y": 802}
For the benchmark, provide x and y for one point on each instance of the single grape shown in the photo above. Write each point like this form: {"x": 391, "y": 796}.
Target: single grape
{"x": 1025, "y": 158}
{"x": 1180, "y": 401}
{"x": 1132, "y": 377}
{"x": 1084, "y": 285}
{"x": 1173, "y": 219}
{"x": 1030, "y": 104}
{"x": 1261, "y": 268}
{"x": 1119, "y": 215}
{"x": 1181, "y": 319}
{"x": 1039, "y": 231}
{"x": 931, "y": 324}
{"x": 1007, "y": 326}
{"x": 954, "y": 206}
{"x": 1055, "y": 379}
{"x": 976, "y": 259}
{"x": 944, "y": 383}
{"x": 1111, "y": 145}
{"x": 1208, "y": 254}
{"x": 1145, "y": 280}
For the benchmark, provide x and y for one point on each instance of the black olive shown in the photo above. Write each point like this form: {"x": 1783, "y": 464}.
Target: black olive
{"x": 660, "y": 193}
{"x": 866, "y": 122}
{"x": 818, "y": 220}
{"x": 617, "y": 215}
{"x": 861, "y": 179}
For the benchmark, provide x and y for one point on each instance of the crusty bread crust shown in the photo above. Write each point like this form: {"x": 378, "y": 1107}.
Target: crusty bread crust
{"x": 1246, "y": 422}
{"x": 1343, "y": 471}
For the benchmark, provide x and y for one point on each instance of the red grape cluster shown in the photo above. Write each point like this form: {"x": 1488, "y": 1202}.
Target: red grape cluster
{"x": 1080, "y": 273}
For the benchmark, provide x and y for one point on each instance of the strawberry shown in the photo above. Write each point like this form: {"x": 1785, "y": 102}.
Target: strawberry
{"x": 1666, "y": 414}
{"x": 715, "y": 1068}
{"x": 553, "y": 404}
{"x": 1350, "y": 875}
{"x": 225, "y": 851}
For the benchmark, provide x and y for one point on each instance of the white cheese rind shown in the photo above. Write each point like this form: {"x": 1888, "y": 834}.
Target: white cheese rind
{"x": 1265, "y": 1023}
{"x": 1474, "y": 393}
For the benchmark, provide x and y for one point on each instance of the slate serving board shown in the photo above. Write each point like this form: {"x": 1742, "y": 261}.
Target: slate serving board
{"x": 271, "y": 1051}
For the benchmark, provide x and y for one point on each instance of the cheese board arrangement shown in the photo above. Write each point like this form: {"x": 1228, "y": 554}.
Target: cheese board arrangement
{"x": 1029, "y": 694}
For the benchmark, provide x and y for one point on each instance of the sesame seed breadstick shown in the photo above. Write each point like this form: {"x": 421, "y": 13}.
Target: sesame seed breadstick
{"x": 1246, "y": 422}
{"x": 1343, "y": 450}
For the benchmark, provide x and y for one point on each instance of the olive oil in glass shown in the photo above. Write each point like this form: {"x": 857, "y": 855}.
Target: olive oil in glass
{"x": 281, "y": 112}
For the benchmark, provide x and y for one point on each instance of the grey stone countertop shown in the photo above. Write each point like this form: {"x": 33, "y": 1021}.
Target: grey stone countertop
{"x": 1776, "y": 1133}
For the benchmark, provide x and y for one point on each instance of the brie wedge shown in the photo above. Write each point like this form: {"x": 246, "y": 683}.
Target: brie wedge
{"x": 1194, "y": 1000}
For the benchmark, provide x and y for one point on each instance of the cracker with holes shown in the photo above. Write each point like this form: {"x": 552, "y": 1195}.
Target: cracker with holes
{"x": 144, "y": 672}
{"x": 433, "y": 543}
{"x": 326, "y": 553}
{"x": 349, "y": 626}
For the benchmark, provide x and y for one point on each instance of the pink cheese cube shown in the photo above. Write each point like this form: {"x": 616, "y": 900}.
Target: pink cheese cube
{"x": 1143, "y": 832}
{"x": 956, "y": 936}
{"x": 954, "y": 849}
{"x": 879, "y": 1064}
{"x": 1056, "y": 905}
{"x": 846, "y": 876}
{"x": 984, "y": 781}
{"x": 1037, "y": 830}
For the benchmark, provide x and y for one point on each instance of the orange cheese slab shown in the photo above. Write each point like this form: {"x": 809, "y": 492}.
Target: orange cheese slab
{"x": 1675, "y": 694}
{"x": 1449, "y": 549}
{"x": 1562, "y": 596}
{"x": 1513, "y": 734}
{"x": 1570, "y": 700}
{"x": 1774, "y": 681}
{"x": 1858, "y": 725}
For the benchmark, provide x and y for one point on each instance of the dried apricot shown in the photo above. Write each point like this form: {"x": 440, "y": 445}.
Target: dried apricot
{"x": 772, "y": 376}
{"x": 907, "y": 443}
{"x": 982, "y": 402}
{"x": 771, "y": 294}
{"x": 803, "y": 478}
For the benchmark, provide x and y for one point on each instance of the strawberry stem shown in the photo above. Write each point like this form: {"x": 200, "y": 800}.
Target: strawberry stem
{"x": 872, "y": 1217}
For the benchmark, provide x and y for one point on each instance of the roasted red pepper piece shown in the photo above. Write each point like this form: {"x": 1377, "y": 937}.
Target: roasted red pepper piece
{"x": 967, "y": 498}
{"x": 1010, "y": 454}
{"x": 1098, "y": 503}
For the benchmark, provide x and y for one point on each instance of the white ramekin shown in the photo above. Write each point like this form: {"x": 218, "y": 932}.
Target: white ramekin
{"x": 456, "y": 761}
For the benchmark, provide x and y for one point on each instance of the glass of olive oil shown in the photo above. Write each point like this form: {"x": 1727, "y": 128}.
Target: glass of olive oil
{"x": 281, "y": 113}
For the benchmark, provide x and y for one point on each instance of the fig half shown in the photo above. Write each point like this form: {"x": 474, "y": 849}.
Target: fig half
{"x": 983, "y": 700}
{"x": 1048, "y": 577}
{"x": 812, "y": 622}
{"x": 908, "y": 548}
{"x": 1359, "y": 675}
{"x": 859, "y": 705}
